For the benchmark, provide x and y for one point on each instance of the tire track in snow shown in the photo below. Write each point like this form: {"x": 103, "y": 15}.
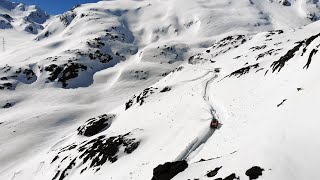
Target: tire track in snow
{"x": 195, "y": 146}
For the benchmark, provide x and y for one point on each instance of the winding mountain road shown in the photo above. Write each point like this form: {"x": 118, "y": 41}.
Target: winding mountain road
{"x": 192, "y": 149}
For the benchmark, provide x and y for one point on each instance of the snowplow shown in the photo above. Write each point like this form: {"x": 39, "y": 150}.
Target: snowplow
{"x": 215, "y": 124}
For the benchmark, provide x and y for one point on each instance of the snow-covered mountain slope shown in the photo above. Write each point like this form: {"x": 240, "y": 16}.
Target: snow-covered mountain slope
{"x": 127, "y": 90}
{"x": 21, "y": 17}
{"x": 19, "y": 23}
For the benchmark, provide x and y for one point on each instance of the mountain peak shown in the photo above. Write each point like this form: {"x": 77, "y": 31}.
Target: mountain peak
{"x": 21, "y": 17}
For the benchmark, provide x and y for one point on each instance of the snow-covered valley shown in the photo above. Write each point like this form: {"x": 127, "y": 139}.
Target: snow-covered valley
{"x": 127, "y": 89}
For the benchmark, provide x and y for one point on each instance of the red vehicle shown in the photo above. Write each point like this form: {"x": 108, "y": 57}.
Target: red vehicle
{"x": 215, "y": 124}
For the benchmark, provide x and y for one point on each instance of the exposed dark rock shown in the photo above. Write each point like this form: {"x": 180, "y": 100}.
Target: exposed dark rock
{"x": 313, "y": 17}
{"x": 38, "y": 16}
{"x": 168, "y": 170}
{"x": 100, "y": 53}
{"x": 55, "y": 71}
{"x": 254, "y": 172}
{"x": 4, "y": 24}
{"x": 103, "y": 149}
{"x": 202, "y": 160}
{"x": 237, "y": 57}
{"x": 178, "y": 69}
{"x": 64, "y": 158}
{"x": 282, "y": 103}
{"x": 140, "y": 99}
{"x": 259, "y": 70}
{"x": 167, "y": 88}
{"x": 271, "y": 33}
{"x": 285, "y": 2}
{"x": 7, "y": 17}
{"x": 220, "y": 47}
{"x": 140, "y": 75}
{"x": 165, "y": 74}
{"x": 83, "y": 170}
{"x": 96, "y": 125}
{"x": 47, "y": 34}
{"x": 56, "y": 175}
{"x": 197, "y": 58}
{"x": 67, "y": 18}
{"x": 213, "y": 172}
{"x": 6, "y": 68}
{"x": 6, "y": 86}
{"x": 128, "y": 104}
{"x": 92, "y": 154}
{"x": 71, "y": 71}
{"x": 244, "y": 70}
{"x": 69, "y": 167}
{"x": 96, "y": 43}
{"x": 104, "y": 58}
{"x": 231, "y": 41}
{"x": 308, "y": 42}
{"x": 8, "y": 105}
{"x": 231, "y": 177}
{"x": 171, "y": 54}
{"x": 258, "y": 48}
{"x": 14, "y": 76}
{"x": 31, "y": 29}
{"x": 267, "y": 53}
{"x": 75, "y": 7}
{"x": 67, "y": 148}
{"x": 278, "y": 65}
{"x": 29, "y": 73}
{"x": 54, "y": 159}
{"x": 312, "y": 53}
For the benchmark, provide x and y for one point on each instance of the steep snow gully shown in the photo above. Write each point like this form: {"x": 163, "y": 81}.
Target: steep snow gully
{"x": 195, "y": 146}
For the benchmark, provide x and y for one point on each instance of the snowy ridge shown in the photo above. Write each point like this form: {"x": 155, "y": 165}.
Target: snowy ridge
{"x": 21, "y": 17}
{"x": 19, "y": 23}
{"x": 127, "y": 90}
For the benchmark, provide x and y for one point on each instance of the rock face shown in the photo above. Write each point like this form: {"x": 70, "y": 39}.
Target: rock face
{"x": 254, "y": 172}
{"x": 168, "y": 170}
{"x": 12, "y": 76}
{"x": 96, "y": 125}
{"x": 213, "y": 172}
{"x": 285, "y": 2}
{"x": 240, "y": 72}
{"x": 140, "y": 99}
{"x": 220, "y": 47}
{"x": 8, "y": 105}
{"x": 278, "y": 65}
{"x": 92, "y": 154}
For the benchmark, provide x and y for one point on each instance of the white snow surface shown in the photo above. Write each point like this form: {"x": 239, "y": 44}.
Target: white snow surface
{"x": 163, "y": 69}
